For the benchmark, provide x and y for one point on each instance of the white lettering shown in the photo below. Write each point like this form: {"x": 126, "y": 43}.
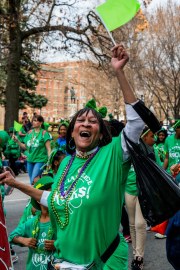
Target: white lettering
{"x": 82, "y": 192}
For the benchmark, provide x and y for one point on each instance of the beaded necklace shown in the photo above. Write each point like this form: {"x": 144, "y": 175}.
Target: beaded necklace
{"x": 35, "y": 233}
{"x": 85, "y": 155}
{"x": 35, "y": 135}
{"x": 65, "y": 195}
{"x": 33, "y": 138}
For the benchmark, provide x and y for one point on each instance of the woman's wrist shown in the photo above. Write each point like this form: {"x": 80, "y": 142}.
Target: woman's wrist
{"x": 119, "y": 72}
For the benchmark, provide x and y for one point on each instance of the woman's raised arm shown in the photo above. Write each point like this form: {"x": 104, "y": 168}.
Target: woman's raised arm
{"x": 7, "y": 178}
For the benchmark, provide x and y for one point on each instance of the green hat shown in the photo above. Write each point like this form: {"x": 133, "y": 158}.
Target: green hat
{"x": 92, "y": 105}
{"x": 44, "y": 183}
{"x": 63, "y": 122}
{"x": 11, "y": 130}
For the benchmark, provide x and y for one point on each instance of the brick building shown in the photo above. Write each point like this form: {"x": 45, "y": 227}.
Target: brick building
{"x": 69, "y": 85}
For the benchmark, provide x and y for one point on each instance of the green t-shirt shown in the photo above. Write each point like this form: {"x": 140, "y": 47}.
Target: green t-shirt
{"x": 172, "y": 147}
{"x": 94, "y": 208}
{"x": 131, "y": 186}
{"x": 35, "y": 144}
{"x": 35, "y": 260}
{"x": 160, "y": 153}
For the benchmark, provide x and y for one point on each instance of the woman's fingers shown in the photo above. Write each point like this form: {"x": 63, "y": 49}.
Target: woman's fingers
{"x": 4, "y": 175}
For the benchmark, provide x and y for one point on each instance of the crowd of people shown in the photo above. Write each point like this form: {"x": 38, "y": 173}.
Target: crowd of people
{"x": 84, "y": 187}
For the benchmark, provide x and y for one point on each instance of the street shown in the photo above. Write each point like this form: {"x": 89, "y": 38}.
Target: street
{"x": 155, "y": 255}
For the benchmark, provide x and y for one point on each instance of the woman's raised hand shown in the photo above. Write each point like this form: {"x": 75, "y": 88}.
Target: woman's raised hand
{"x": 119, "y": 58}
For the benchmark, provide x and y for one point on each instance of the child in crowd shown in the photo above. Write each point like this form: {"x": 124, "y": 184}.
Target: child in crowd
{"x": 37, "y": 233}
{"x": 55, "y": 158}
{"x": 30, "y": 212}
{"x": 159, "y": 146}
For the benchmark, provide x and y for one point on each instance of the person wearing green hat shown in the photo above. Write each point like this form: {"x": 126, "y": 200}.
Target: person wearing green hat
{"x": 172, "y": 148}
{"x": 12, "y": 151}
{"x": 86, "y": 200}
{"x": 37, "y": 233}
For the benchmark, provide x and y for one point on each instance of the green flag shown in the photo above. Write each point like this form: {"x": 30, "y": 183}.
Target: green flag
{"x": 17, "y": 126}
{"x": 177, "y": 124}
{"x": 115, "y": 13}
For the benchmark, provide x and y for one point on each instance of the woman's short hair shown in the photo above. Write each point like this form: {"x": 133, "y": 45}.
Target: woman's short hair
{"x": 106, "y": 138}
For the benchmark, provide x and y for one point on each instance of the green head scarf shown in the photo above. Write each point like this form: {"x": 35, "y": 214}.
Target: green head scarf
{"x": 92, "y": 105}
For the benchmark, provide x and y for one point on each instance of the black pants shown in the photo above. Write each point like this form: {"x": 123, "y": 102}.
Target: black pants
{"x": 173, "y": 249}
{"x": 12, "y": 165}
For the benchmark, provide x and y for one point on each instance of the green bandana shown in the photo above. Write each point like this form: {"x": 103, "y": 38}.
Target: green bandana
{"x": 92, "y": 105}
{"x": 64, "y": 122}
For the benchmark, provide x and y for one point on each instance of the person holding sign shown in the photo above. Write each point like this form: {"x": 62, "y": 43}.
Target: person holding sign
{"x": 87, "y": 196}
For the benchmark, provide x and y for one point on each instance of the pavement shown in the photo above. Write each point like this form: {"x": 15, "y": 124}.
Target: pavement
{"x": 155, "y": 253}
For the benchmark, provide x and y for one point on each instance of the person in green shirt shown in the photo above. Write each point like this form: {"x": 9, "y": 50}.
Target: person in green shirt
{"x": 159, "y": 146}
{"x": 36, "y": 233}
{"x": 87, "y": 196}
{"x": 172, "y": 148}
{"x": 37, "y": 144}
{"x": 12, "y": 151}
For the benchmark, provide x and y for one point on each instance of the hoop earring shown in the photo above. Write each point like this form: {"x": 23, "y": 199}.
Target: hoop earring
{"x": 71, "y": 144}
{"x": 100, "y": 142}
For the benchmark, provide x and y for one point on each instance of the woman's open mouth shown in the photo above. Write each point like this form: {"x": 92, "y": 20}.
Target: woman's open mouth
{"x": 85, "y": 134}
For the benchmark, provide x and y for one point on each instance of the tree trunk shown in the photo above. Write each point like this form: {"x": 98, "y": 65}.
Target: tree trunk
{"x": 13, "y": 68}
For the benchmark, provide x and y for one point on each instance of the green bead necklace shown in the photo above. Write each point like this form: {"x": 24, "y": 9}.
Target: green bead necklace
{"x": 67, "y": 195}
{"x": 35, "y": 233}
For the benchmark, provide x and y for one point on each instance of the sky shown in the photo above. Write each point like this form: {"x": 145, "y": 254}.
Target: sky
{"x": 52, "y": 56}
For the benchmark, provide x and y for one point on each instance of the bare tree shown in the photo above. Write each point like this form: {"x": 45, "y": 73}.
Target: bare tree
{"x": 31, "y": 21}
{"x": 159, "y": 64}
